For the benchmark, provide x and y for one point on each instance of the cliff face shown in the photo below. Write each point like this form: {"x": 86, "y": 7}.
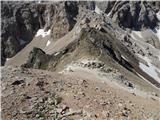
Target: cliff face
{"x": 97, "y": 55}
{"x": 21, "y": 21}
{"x": 136, "y": 15}
{"x": 19, "y": 25}
{"x": 125, "y": 33}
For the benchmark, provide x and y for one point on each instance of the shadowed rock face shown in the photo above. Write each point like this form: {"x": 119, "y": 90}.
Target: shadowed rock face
{"x": 91, "y": 43}
{"x": 21, "y": 21}
{"x": 131, "y": 14}
{"x": 104, "y": 46}
{"x": 105, "y": 31}
{"x": 134, "y": 14}
{"x": 12, "y": 45}
{"x": 64, "y": 18}
{"x": 37, "y": 59}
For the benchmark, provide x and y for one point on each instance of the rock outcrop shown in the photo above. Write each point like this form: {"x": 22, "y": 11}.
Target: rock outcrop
{"x": 37, "y": 59}
{"x": 91, "y": 43}
{"x": 106, "y": 31}
{"x": 19, "y": 25}
{"x": 64, "y": 18}
{"x": 21, "y": 21}
{"x": 84, "y": 48}
{"x": 136, "y": 15}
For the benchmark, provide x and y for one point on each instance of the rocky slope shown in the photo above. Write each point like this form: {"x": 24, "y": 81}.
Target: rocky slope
{"x": 23, "y": 19}
{"x": 115, "y": 42}
{"x": 124, "y": 47}
{"x": 36, "y": 94}
{"x": 135, "y": 15}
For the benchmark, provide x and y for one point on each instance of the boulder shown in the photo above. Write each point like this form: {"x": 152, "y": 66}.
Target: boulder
{"x": 37, "y": 59}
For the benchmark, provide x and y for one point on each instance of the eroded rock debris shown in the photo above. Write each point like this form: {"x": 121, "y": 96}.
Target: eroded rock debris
{"x": 90, "y": 60}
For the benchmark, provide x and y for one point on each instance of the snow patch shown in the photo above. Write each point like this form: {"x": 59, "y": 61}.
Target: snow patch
{"x": 157, "y": 32}
{"x": 56, "y": 53}
{"x": 133, "y": 37}
{"x": 123, "y": 57}
{"x": 150, "y": 69}
{"x": 158, "y": 15}
{"x": 39, "y": 1}
{"x": 43, "y": 33}
{"x": 7, "y": 59}
{"x": 109, "y": 14}
{"x": 78, "y": 30}
{"x": 97, "y": 10}
{"x": 48, "y": 42}
{"x": 138, "y": 33}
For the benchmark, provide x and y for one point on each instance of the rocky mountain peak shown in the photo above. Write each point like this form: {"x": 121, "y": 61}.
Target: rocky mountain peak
{"x": 81, "y": 51}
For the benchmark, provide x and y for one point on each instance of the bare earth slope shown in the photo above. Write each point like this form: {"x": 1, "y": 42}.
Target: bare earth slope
{"x": 39, "y": 95}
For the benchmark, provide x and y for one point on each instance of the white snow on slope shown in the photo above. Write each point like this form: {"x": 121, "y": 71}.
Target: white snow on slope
{"x": 77, "y": 31}
{"x": 150, "y": 69}
{"x": 97, "y": 10}
{"x": 124, "y": 57}
{"x": 43, "y": 33}
{"x": 137, "y": 33}
{"x": 141, "y": 35}
{"x": 56, "y": 53}
{"x": 157, "y": 33}
{"x": 39, "y": 1}
{"x": 7, "y": 59}
{"x": 109, "y": 14}
{"x": 48, "y": 42}
{"x": 158, "y": 15}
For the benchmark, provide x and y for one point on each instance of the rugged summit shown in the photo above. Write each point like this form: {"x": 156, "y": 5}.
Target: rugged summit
{"x": 135, "y": 15}
{"x": 19, "y": 25}
{"x": 21, "y": 20}
{"x": 117, "y": 42}
{"x": 116, "y": 21}
{"x": 100, "y": 26}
